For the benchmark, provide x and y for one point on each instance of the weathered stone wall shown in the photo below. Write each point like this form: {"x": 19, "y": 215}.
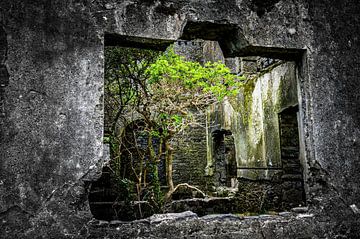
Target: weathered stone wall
{"x": 266, "y": 140}
{"x": 4, "y": 75}
{"x": 190, "y": 50}
{"x": 331, "y": 99}
{"x": 51, "y": 134}
{"x": 199, "y": 50}
{"x": 188, "y": 225}
{"x": 252, "y": 117}
{"x": 272, "y": 92}
{"x": 190, "y": 154}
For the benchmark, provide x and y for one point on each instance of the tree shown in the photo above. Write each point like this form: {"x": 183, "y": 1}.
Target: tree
{"x": 125, "y": 79}
{"x": 176, "y": 89}
{"x": 164, "y": 91}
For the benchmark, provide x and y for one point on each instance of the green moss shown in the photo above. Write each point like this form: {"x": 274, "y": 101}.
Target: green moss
{"x": 281, "y": 94}
{"x": 244, "y": 106}
{"x": 249, "y": 87}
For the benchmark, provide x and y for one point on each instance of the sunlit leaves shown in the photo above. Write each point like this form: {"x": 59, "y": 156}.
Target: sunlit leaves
{"x": 171, "y": 70}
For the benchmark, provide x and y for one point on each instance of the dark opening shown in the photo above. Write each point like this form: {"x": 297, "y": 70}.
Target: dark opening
{"x": 293, "y": 191}
{"x": 225, "y": 161}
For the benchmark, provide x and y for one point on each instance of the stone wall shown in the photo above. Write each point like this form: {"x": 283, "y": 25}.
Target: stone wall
{"x": 199, "y": 50}
{"x": 51, "y": 135}
{"x": 265, "y": 137}
{"x": 189, "y": 225}
{"x": 252, "y": 117}
{"x": 190, "y": 154}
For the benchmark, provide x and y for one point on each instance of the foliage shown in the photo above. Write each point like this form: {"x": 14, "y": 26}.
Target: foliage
{"x": 187, "y": 77}
{"x": 125, "y": 78}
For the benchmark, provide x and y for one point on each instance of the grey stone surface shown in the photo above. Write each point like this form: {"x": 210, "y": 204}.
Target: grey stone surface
{"x": 216, "y": 227}
{"x": 157, "y": 218}
{"x": 221, "y": 217}
{"x": 52, "y": 130}
{"x": 300, "y": 209}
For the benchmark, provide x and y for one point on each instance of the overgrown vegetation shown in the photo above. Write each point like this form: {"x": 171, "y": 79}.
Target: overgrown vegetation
{"x": 150, "y": 97}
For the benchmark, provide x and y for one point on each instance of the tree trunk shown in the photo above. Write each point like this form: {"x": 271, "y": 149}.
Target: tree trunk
{"x": 154, "y": 170}
{"x": 169, "y": 161}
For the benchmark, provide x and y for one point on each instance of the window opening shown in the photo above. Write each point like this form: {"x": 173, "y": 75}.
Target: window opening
{"x": 237, "y": 154}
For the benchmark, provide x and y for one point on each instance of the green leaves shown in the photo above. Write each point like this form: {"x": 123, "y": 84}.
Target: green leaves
{"x": 214, "y": 77}
{"x": 176, "y": 119}
{"x": 177, "y": 86}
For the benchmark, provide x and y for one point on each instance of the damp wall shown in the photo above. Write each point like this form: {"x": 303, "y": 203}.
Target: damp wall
{"x": 253, "y": 119}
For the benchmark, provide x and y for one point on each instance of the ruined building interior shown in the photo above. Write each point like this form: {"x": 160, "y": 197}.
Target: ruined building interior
{"x": 249, "y": 143}
{"x": 278, "y": 160}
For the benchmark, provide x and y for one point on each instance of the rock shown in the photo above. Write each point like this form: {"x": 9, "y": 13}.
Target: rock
{"x": 300, "y": 209}
{"x": 285, "y": 214}
{"x": 305, "y": 215}
{"x": 355, "y": 209}
{"x": 158, "y": 218}
{"x": 222, "y": 217}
